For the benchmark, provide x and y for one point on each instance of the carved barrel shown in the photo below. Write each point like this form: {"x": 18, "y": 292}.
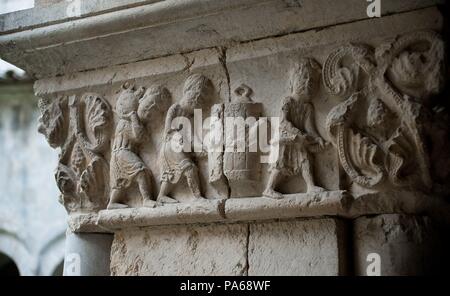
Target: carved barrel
{"x": 241, "y": 157}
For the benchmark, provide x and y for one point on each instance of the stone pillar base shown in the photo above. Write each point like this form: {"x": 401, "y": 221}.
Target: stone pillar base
{"x": 294, "y": 247}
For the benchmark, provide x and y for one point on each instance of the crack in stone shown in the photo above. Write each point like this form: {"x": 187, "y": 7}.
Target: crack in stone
{"x": 247, "y": 246}
{"x": 221, "y": 208}
{"x": 188, "y": 62}
{"x": 223, "y": 61}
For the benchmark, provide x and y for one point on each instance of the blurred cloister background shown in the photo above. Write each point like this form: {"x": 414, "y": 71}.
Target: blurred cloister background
{"x": 32, "y": 228}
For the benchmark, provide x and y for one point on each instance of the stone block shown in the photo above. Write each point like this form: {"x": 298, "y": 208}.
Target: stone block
{"x": 403, "y": 245}
{"x": 211, "y": 250}
{"x": 297, "y": 248}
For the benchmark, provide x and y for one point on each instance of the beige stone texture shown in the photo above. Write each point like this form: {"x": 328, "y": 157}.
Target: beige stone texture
{"x": 297, "y": 248}
{"x": 181, "y": 250}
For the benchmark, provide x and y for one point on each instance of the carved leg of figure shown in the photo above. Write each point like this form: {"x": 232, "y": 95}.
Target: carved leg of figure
{"x": 115, "y": 201}
{"x": 270, "y": 188}
{"x": 193, "y": 182}
{"x": 308, "y": 177}
{"x": 144, "y": 188}
{"x": 162, "y": 196}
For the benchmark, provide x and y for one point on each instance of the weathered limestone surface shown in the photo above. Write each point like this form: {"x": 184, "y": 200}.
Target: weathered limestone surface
{"x": 181, "y": 250}
{"x": 206, "y": 23}
{"x": 303, "y": 247}
{"x": 292, "y": 206}
{"x": 338, "y": 203}
{"x": 39, "y": 3}
{"x": 358, "y": 126}
{"x": 299, "y": 248}
{"x": 250, "y": 64}
{"x": 207, "y": 211}
{"x": 407, "y": 245}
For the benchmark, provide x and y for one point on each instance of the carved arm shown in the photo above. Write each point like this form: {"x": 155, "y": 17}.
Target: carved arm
{"x": 136, "y": 127}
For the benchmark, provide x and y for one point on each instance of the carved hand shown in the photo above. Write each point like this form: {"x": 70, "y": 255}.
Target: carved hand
{"x": 131, "y": 115}
{"x": 301, "y": 138}
{"x": 321, "y": 142}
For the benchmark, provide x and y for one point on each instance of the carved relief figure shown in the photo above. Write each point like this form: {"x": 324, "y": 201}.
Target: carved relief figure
{"x": 298, "y": 134}
{"x": 176, "y": 163}
{"x": 126, "y": 167}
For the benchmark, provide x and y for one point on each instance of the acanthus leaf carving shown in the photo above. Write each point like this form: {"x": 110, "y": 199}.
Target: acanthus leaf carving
{"x": 82, "y": 169}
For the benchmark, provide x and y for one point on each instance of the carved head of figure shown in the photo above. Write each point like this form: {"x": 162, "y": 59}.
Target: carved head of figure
{"x": 128, "y": 100}
{"x": 52, "y": 121}
{"x": 65, "y": 179}
{"x": 195, "y": 91}
{"x": 156, "y": 99}
{"x": 304, "y": 79}
{"x": 417, "y": 72}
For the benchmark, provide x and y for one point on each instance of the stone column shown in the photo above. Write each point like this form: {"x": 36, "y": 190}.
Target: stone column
{"x": 348, "y": 112}
{"x": 87, "y": 254}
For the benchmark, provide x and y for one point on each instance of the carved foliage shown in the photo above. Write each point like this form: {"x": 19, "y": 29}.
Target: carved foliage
{"x": 399, "y": 77}
{"x": 53, "y": 120}
{"x": 80, "y": 126}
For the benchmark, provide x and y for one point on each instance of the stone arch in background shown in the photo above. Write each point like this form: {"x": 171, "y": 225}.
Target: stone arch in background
{"x": 12, "y": 246}
{"x": 46, "y": 262}
{"x": 51, "y": 256}
{"x": 7, "y": 266}
{"x": 59, "y": 269}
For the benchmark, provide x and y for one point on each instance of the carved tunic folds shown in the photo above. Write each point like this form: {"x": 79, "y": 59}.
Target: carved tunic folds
{"x": 297, "y": 123}
{"x": 174, "y": 163}
{"x": 125, "y": 163}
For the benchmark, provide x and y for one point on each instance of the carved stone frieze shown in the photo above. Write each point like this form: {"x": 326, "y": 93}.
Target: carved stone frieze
{"x": 352, "y": 120}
